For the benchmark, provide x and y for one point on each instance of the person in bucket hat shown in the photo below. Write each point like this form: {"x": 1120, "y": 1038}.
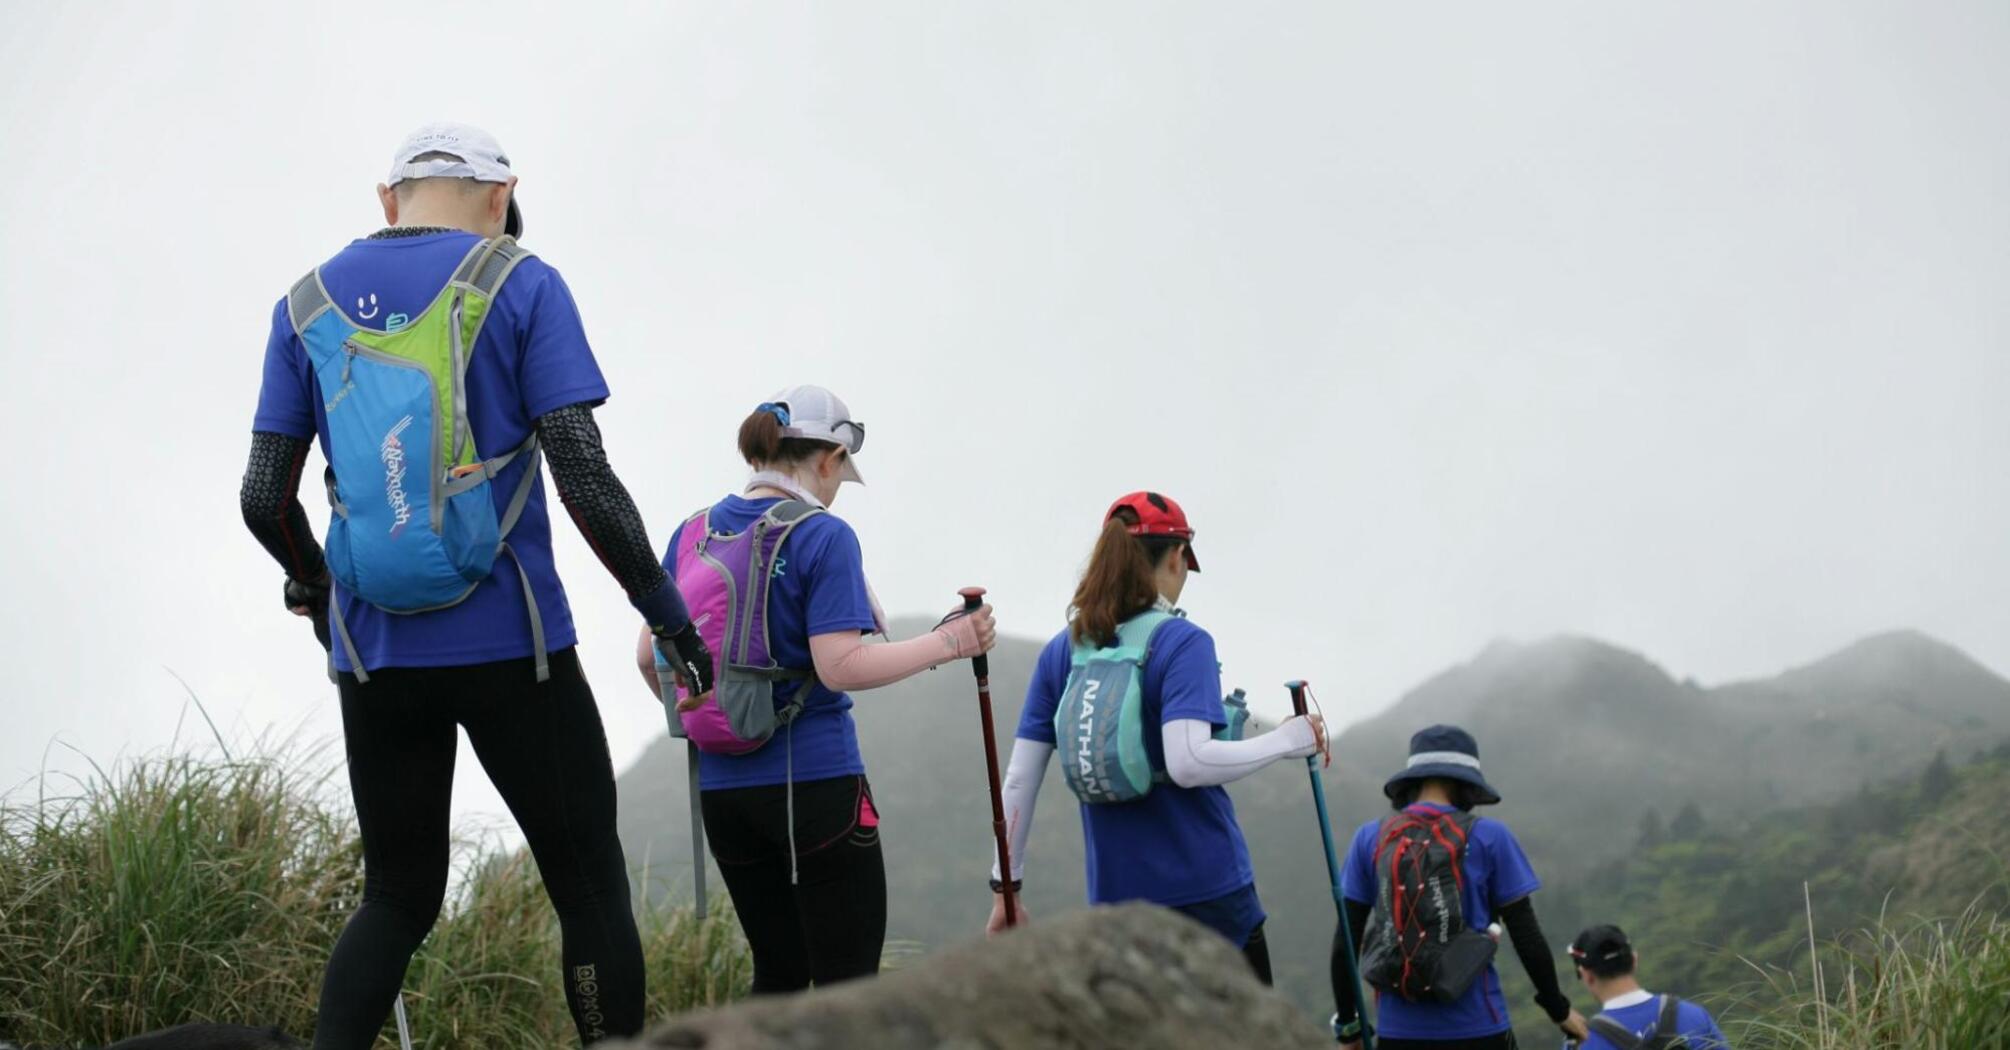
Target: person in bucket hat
{"x": 1433, "y": 796}
{"x": 1177, "y": 843}
{"x": 440, "y": 365}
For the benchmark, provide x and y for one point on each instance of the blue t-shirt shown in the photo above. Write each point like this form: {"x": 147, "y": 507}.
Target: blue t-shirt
{"x": 819, "y": 588}
{"x": 1693, "y": 1021}
{"x": 1175, "y": 845}
{"x": 531, "y": 358}
{"x": 1497, "y": 873}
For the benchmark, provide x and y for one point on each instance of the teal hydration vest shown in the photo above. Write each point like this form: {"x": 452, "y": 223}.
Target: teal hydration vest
{"x": 1100, "y": 721}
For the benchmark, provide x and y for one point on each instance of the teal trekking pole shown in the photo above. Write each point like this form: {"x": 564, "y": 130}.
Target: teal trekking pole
{"x": 1299, "y": 691}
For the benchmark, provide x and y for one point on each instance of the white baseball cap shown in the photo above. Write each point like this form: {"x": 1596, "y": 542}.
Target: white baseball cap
{"x": 817, "y": 414}
{"x": 473, "y": 154}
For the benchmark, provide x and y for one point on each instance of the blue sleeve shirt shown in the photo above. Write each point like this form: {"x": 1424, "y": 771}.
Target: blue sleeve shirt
{"x": 532, "y": 357}
{"x": 818, "y": 588}
{"x": 1497, "y": 873}
{"x": 1694, "y": 1022}
{"x": 1176, "y": 845}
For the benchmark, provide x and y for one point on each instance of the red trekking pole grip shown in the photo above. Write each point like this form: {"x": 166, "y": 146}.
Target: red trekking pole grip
{"x": 973, "y": 600}
{"x": 1297, "y": 687}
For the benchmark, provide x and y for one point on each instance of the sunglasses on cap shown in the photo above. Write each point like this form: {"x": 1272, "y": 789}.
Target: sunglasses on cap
{"x": 851, "y": 434}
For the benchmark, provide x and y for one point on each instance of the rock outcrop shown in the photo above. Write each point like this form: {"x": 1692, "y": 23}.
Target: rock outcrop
{"x": 1101, "y": 979}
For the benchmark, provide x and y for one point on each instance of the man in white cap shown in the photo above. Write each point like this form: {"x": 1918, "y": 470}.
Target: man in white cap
{"x": 439, "y": 364}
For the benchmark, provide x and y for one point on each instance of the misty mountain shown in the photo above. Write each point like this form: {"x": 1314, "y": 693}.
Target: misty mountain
{"x": 1581, "y": 738}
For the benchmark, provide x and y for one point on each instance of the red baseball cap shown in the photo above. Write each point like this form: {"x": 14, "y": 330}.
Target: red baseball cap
{"x": 1157, "y": 516}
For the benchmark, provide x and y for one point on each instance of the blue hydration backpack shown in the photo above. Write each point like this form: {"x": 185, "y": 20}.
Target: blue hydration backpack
{"x": 414, "y": 527}
{"x": 1100, "y": 720}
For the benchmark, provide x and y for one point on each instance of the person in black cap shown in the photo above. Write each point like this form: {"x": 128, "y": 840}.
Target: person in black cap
{"x": 1428, "y": 890}
{"x": 1634, "y": 1018}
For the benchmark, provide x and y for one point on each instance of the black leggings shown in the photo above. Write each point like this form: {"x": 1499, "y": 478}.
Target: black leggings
{"x": 831, "y": 923}
{"x": 544, "y": 750}
{"x": 1257, "y": 951}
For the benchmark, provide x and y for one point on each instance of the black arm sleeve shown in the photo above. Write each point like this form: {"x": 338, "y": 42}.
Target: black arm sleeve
{"x": 270, "y": 502}
{"x": 606, "y": 515}
{"x": 1533, "y": 948}
{"x": 1341, "y": 967}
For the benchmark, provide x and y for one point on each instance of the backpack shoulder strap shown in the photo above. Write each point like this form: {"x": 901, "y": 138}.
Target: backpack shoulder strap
{"x": 1137, "y": 632}
{"x": 1615, "y": 1033}
{"x": 792, "y": 512}
{"x": 1668, "y": 1027}
{"x": 307, "y": 301}
{"x": 488, "y": 265}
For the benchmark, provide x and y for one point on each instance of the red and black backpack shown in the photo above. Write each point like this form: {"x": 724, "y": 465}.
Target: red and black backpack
{"x": 1419, "y": 945}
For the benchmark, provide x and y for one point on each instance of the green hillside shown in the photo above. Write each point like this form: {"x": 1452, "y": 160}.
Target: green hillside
{"x": 1581, "y": 737}
{"x": 1715, "y": 909}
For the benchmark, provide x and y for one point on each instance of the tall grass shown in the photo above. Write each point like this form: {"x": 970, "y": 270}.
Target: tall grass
{"x": 1926, "y": 985}
{"x": 181, "y": 887}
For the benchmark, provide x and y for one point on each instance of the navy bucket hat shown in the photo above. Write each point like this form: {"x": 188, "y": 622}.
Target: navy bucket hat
{"x": 1447, "y": 752}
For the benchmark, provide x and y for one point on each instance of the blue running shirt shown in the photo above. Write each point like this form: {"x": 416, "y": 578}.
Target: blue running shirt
{"x": 819, "y": 588}
{"x": 531, "y": 358}
{"x": 1497, "y": 873}
{"x": 1175, "y": 845}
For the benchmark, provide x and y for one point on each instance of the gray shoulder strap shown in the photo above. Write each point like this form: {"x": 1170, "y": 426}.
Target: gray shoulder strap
{"x": 1615, "y": 1033}
{"x": 793, "y": 511}
{"x": 307, "y": 301}
{"x": 485, "y": 268}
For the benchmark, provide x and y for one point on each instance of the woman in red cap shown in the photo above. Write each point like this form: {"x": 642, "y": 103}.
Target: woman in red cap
{"x": 1134, "y": 689}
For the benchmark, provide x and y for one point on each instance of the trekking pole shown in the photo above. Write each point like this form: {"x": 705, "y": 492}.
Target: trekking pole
{"x": 697, "y": 826}
{"x": 1298, "y": 693}
{"x": 404, "y": 1025}
{"x": 666, "y": 686}
{"x": 973, "y": 599}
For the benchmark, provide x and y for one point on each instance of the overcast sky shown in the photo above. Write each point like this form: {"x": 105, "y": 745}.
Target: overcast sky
{"x": 1678, "y": 324}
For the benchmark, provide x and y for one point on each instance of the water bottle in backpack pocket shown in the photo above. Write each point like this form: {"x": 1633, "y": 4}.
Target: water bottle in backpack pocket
{"x": 725, "y": 579}
{"x": 1234, "y": 716}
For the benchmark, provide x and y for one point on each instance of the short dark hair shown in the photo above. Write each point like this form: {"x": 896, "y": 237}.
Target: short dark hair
{"x": 1464, "y": 796}
{"x": 1603, "y": 951}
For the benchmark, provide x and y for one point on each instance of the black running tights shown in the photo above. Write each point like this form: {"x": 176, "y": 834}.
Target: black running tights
{"x": 831, "y": 923}
{"x": 543, "y": 748}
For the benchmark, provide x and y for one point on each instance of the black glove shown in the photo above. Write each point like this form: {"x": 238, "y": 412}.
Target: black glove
{"x": 689, "y": 657}
{"x": 314, "y": 596}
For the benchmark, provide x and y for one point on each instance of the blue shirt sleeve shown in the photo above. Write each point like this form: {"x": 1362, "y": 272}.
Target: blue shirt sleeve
{"x": 1512, "y": 878}
{"x": 837, "y": 598}
{"x": 1357, "y": 872}
{"x": 285, "y": 396}
{"x": 1707, "y": 1035}
{"x": 557, "y": 368}
{"x": 1043, "y": 693}
{"x": 1189, "y": 676}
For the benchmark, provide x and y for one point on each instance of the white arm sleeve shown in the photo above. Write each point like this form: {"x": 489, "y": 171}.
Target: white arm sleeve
{"x": 1194, "y": 758}
{"x": 1022, "y": 789}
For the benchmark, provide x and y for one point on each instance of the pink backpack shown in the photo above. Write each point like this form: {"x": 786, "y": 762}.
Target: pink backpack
{"x": 725, "y": 579}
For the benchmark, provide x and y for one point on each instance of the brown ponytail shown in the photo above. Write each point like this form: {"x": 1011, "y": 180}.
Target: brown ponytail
{"x": 1118, "y": 584}
{"x": 762, "y": 443}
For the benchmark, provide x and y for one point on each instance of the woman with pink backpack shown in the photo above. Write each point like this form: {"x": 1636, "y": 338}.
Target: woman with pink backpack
{"x": 775, "y": 583}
